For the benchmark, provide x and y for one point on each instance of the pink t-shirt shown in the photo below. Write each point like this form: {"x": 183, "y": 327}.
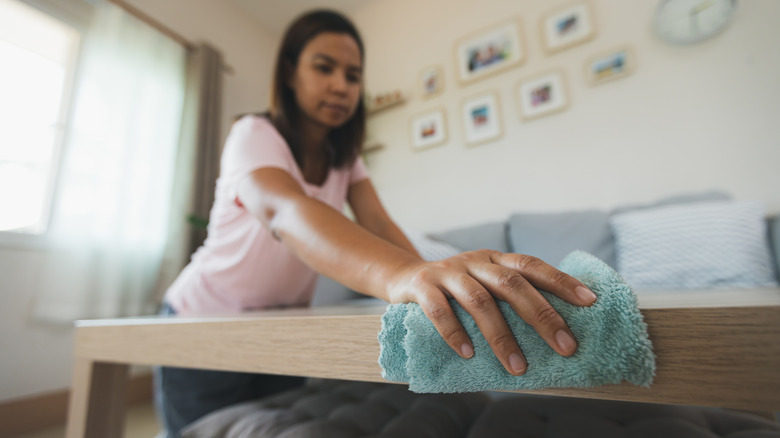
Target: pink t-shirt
{"x": 240, "y": 265}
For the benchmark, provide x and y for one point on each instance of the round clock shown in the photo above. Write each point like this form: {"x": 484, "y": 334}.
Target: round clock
{"x": 691, "y": 21}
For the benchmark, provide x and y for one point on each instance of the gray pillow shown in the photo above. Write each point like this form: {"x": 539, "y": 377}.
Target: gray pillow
{"x": 773, "y": 223}
{"x": 551, "y": 236}
{"x": 340, "y": 409}
{"x": 329, "y": 292}
{"x": 490, "y": 235}
{"x": 694, "y": 246}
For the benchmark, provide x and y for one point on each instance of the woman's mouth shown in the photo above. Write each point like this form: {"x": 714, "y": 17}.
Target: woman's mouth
{"x": 342, "y": 109}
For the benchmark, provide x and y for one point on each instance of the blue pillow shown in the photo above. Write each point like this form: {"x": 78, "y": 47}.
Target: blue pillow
{"x": 491, "y": 235}
{"x": 551, "y": 236}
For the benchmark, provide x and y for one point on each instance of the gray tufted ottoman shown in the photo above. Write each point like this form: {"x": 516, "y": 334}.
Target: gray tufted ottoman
{"x": 330, "y": 408}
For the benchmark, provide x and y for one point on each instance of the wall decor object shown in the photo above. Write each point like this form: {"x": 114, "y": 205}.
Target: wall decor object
{"x": 613, "y": 64}
{"x": 428, "y": 129}
{"x": 378, "y": 102}
{"x": 567, "y": 27}
{"x": 489, "y": 51}
{"x": 481, "y": 118}
{"x": 692, "y": 21}
{"x": 431, "y": 81}
{"x": 542, "y": 95}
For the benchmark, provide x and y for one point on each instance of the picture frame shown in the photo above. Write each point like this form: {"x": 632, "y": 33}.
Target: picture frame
{"x": 481, "y": 115}
{"x": 542, "y": 95}
{"x": 431, "y": 81}
{"x": 428, "y": 129}
{"x": 567, "y": 27}
{"x": 610, "y": 65}
{"x": 489, "y": 51}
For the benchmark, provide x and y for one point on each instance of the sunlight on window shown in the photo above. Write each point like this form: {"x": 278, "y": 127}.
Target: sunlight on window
{"x": 38, "y": 54}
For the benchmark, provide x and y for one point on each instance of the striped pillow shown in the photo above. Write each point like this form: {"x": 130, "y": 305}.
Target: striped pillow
{"x": 693, "y": 246}
{"x": 431, "y": 249}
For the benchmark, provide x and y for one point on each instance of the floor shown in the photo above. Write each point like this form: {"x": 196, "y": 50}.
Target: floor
{"x": 141, "y": 423}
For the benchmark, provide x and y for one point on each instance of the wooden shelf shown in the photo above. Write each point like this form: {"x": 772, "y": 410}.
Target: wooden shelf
{"x": 371, "y": 110}
{"x": 372, "y": 147}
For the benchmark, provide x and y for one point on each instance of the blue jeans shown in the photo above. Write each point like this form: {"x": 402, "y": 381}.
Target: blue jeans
{"x": 183, "y": 395}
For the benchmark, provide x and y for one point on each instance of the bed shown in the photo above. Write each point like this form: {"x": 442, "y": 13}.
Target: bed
{"x": 714, "y": 348}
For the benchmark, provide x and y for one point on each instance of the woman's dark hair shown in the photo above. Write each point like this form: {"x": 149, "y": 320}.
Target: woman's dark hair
{"x": 344, "y": 142}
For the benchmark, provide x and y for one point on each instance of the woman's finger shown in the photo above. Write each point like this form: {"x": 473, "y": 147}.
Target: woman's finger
{"x": 545, "y": 277}
{"x": 508, "y": 285}
{"x": 436, "y": 307}
{"x": 479, "y": 303}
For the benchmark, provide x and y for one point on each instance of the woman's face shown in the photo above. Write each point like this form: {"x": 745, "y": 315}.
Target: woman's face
{"x": 328, "y": 79}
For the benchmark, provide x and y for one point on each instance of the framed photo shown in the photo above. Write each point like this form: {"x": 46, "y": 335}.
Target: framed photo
{"x": 542, "y": 95}
{"x": 606, "y": 66}
{"x": 489, "y": 51}
{"x": 568, "y": 27}
{"x": 431, "y": 81}
{"x": 428, "y": 129}
{"x": 481, "y": 118}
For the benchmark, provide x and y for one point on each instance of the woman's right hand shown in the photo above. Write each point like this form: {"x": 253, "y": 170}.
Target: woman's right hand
{"x": 475, "y": 279}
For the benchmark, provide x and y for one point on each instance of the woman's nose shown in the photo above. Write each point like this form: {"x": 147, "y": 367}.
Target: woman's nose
{"x": 338, "y": 83}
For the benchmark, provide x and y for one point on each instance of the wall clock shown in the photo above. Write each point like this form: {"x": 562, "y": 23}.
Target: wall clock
{"x": 691, "y": 21}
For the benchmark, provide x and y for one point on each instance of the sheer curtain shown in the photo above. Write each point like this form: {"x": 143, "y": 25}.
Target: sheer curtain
{"x": 109, "y": 223}
{"x": 197, "y": 162}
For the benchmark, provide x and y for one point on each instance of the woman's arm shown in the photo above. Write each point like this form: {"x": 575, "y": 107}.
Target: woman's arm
{"x": 321, "y": 236}
{"x": 371, "y": 215}
{"x": 337, "y": 247}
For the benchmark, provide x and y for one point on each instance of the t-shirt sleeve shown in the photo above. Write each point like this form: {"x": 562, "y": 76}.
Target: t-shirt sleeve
{"x": 253, "y": 144}
{"x": 359, "y": 171}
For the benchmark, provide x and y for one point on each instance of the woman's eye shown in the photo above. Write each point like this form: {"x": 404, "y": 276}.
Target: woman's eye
{"x": 324, "y": 68}
{"x": 353, "y": 78}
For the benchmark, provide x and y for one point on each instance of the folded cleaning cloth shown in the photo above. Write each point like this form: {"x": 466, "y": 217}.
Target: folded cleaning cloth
{"x": 613, "y": 345}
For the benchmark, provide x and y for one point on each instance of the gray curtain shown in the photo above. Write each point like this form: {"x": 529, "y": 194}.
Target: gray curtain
{"x": 204, "y": 94}
{"x": 198, "y": 158}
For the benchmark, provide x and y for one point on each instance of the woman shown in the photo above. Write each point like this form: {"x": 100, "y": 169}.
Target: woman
{"x": 276, "y": 223}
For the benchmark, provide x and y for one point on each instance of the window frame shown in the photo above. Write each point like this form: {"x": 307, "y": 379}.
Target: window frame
{"x": 74, "y": 14}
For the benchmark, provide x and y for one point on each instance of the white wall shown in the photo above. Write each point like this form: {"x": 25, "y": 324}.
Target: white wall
{"x": 689, "y": 118}
{"x": 36, "y": 358}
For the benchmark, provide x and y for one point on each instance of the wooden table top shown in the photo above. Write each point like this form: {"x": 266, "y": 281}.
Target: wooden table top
{"x": 713, "y": 348}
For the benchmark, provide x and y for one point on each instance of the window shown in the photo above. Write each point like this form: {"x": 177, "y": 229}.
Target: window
{"x": 39, "y": 58}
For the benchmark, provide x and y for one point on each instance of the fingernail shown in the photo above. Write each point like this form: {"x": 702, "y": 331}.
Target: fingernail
{"x": 517, "y": 363}
{"x": 565, "y": 341}
{"x": 466, "y": 351}
{"x": 585, "y": 294}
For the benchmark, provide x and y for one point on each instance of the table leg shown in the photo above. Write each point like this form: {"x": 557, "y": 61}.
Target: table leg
{"x": 97, "y": 400}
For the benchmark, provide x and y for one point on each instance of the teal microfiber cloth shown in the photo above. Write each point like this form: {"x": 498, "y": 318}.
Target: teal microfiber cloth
{"x": 613, "y": 345}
